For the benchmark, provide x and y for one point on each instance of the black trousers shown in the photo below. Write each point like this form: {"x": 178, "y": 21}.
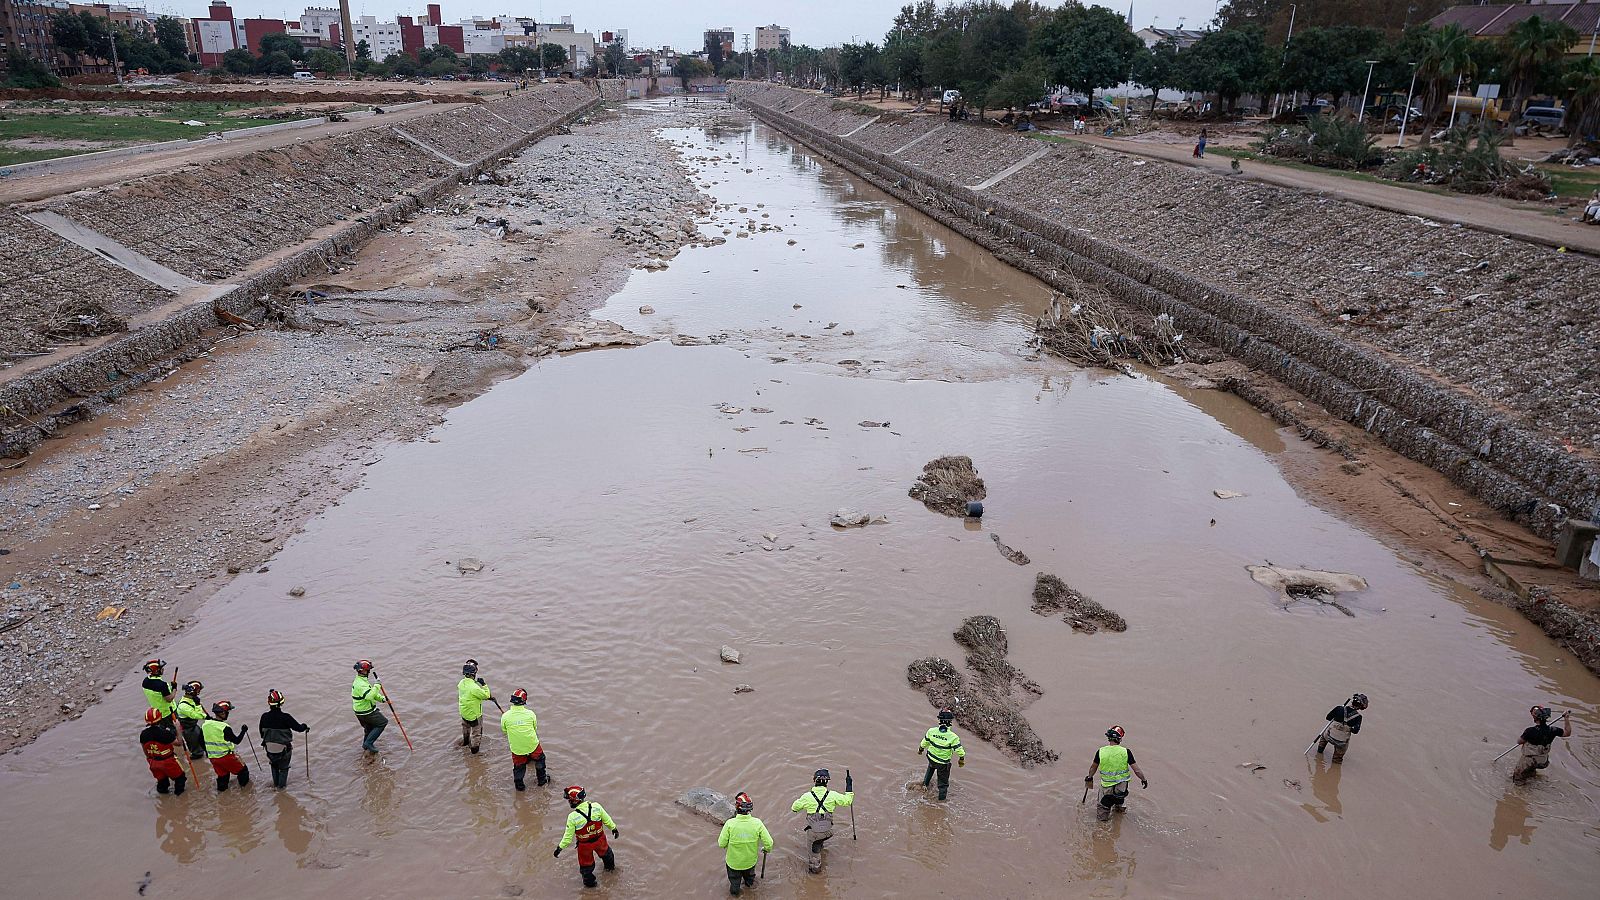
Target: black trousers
{"x": 736, "y": 876}
{"x": 943, "y": 771}
{"x": 174, "y": 785}
{"x": 280, "y": 767}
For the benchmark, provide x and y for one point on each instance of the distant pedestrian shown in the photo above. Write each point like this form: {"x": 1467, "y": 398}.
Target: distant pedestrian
{"x": 1344, "y": 721}
{"x": 1535, "y": 742}
{"x": 1200, "y": 145}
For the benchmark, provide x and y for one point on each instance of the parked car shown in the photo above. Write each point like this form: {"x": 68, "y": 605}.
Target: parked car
{"x": 950, "y": 97}
{"x": 303, "y": 76}
{"x": 1547, "y": 116}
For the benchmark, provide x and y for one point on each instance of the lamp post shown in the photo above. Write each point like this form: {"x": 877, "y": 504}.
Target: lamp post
{"x": 1405, "y": 117}
{"x": 1362, "y": 114}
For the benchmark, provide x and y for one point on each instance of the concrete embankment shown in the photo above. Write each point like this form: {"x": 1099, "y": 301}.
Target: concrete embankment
{"x": 1469, "y": 352}
{"x": 137, "y": 272}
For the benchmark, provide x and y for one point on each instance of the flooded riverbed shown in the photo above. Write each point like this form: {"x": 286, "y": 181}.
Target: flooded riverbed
{"x": 621, "y": 513}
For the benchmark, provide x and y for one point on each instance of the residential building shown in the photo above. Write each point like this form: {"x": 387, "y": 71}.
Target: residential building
{"x": 251, "y": 31}
{"x": 1494, "y": 20}
{"x": 216, "y": 34}
{"x": 383, "y": 38}
{"x": 723, "y": 36}
{"x": 1184, "y": 38}
{"x": 772, "y": 37}
{"x": 322, "y": 21}
{"x": 25, "y": 31}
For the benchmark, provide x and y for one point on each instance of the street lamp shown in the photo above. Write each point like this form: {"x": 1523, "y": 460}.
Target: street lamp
{"x": 1363, "y": 113}
{"x": 1406, "y": 116}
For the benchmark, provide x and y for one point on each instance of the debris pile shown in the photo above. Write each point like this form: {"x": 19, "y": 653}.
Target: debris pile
{"x": 1086, "y": 329}
{"x": 948, "y": 484}
{"x": 1052, "y": 595}
{"x": 990, "y": 705}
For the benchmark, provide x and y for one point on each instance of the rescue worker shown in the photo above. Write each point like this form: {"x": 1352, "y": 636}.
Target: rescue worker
{"x": 1113, "y": 762}
{"x": 191, "y": 713}
{"x": 586, "y": 825}
{"x": 277, "y": 738}
{"x": 742, "y": 836}
{"x": 157, "y": 738}
{"x": 1343, "y": 721}
{"x": 1535, "y": 742}
{"x": 220, "y": 741}
{"x": 940, "y": 743}
{"x": 471, "y": 691}
{"x": 156, "y": 691}
{"x": 818, "y": 804}
{"x": 522, "y": 733}
{"x": 365, "y": 695}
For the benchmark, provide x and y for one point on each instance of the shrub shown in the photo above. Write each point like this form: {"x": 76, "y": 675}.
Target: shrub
{"x": 27, "y": 72}
{"x": 1468, "y": 160}
{"x": 1333, "y": 142}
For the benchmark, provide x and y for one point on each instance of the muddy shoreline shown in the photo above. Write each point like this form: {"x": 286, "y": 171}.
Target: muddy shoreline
{"x": 152, "y": 547}
{"x": 1564, "y": 606}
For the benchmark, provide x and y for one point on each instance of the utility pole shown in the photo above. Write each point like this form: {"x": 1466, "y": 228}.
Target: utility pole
{"x": 746, "y": 66}
{"x": 111, "y": 37}
{"x": 347, "y": 37}
{"x": 1362, "y": 113}
{"x": 1276, "y": 98}
{"x": 1405, "y": 117}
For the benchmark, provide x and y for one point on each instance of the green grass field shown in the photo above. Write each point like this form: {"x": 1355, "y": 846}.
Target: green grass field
{"x": 75, "y": 122}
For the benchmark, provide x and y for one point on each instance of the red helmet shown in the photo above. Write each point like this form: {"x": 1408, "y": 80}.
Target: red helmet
{"x": 363, "y": 666}
{"x": 155, "y": 666}
{"x": 152, "y": 716}
{"x": 519, "y": 696}
{"x": 221, "y": 708}
{"x": 1115, "y": 734}
{"x": 742, "y": 803}
{"x": 274, "y": 698}
{"x": 575, "y": 794}
{"x": 193, "y": 688}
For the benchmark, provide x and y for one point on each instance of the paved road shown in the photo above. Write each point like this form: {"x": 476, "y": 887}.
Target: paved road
{"x": 1487, "y": 215}
{"x": 24, "y": 187}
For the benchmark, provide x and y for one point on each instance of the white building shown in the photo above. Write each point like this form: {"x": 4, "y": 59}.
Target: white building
{"x": 317, "y": 19}
{"x": 771, "y": 37}
{"x": 1184, "y": 38}
{"x": 483, "y": 37}
{"x": 382, "y": 37}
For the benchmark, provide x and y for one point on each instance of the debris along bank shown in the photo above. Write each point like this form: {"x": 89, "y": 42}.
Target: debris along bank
{"x": 608, "y": 499}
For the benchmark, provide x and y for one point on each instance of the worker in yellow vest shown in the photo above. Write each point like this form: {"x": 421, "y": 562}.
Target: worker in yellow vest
{"x": 1113, "y": 763}
{"x": 158, "y": 693}
{"x": 742, "y": 836}
{"x": 471, "y": 691}
{"x": 220, "y": 741}
{"x": 941, "y": 743}
{"x": 191, "y": 713}
{"x": 522, "y": 733}
{"x": 818, "y": 804}
{"x": 586, "y": 826}
{"x": 365, "y": 695}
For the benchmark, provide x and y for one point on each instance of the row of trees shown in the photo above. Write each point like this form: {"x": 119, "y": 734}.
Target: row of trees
{"x": 1009, "y": 55}
{"x": 88, "y": 37}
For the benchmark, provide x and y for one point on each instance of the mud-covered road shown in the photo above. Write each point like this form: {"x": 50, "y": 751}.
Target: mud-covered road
{"x": 636, "y": 509}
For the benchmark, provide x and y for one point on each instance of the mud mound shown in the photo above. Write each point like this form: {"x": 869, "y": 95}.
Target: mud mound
{"x": 947, "y": 484}
{"x": 1308, "y": 585}
{"x": 1052, "y": 595}
{"x": 460, "y": 376}
{"x": 1016, "y": 556}
{"x": 990, "y": 705}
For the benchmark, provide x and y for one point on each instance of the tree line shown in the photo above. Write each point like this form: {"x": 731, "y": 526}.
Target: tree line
{"x": 1010, "y": 55}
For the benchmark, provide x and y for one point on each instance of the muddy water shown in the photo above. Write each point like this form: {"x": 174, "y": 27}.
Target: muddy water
{"x": 622, "y": 519}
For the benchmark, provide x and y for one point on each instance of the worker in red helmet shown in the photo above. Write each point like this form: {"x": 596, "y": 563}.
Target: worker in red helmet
{"x": 220, "y": 741}
{"x": 522, "y": 733}
{"x": 1535, "y": 743}
{"x": 157, "y": 738}
{"x": 586, "y": 826}
{"x": 158, "y": 692}
{"x": 191, "y": 712}
{"x": 277, "y": 738}
{"x": 1113, "y": 763}
{"x": 365, "y": 695}
{"x": 742, "y": 836}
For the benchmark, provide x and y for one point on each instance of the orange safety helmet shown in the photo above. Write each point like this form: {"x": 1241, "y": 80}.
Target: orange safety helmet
{"x": 519, "y": 696}
{"x": 221, "y": 708}
{"x": 155, "y": 666}
{"x": 742, "y": 803}
{"x": 152, "y": 716}
{"x": 1115, "y": 734}
{"x": 274, "y": 698}
{"x": 193, "y": 688}
{"x": 575, "y": 795}
{"x": 363, "y": 666}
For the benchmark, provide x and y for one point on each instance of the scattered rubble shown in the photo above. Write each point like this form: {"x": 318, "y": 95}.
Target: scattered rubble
{"x": 730, "y": 655}
{"x": 1052, "y": 595}
{"x": 705, "y": 802}
{"x": 1016, "y": 556}
{"x": 1308, "y": 585}
{"x": 948, "y": 484}
{"x": 845, "y": 517}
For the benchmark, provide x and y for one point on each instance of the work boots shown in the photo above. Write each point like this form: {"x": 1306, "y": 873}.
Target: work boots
{"x": 163, "y": 785}
{"x": 588, "y": 876}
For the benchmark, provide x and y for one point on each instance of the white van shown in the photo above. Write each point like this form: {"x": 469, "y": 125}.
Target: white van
{"x": 304, "y": 76}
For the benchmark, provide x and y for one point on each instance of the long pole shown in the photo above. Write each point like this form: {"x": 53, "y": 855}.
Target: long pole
{"x": 1362, "y": 114}
{"x": 852, "y": 809}
{"x": 1455, "y": 99}
{"x": 308, "y": 757}
{"x": 763, "y": 864}
{"x": 1516, "y": 745}
{"x": 252, "y": 742}
{"x": 1317, "y": 738}
{"x": 1277, "y": 106}
{"x": 1086, "y": 784}
{"x": 1405, "y": 117}
{"x": 402, "y": 726}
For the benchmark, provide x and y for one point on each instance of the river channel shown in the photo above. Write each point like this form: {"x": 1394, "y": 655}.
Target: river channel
{"x": 622, "y": 511}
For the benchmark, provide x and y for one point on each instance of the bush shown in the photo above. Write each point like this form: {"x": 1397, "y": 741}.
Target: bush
{"x": 1333, "y": 142}
{"x": 26, "y": 72}
{"x": 1468, "y": 160}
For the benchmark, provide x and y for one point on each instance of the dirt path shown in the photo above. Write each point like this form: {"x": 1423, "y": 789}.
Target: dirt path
{"x": 24, "y": 186}
{"x": 1542, "y": 227}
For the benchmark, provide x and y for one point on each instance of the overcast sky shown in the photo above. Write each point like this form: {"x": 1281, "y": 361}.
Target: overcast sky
{"x": 653, "y": 23}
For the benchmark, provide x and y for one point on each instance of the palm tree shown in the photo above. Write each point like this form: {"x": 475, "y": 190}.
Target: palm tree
{"x": 1532, "y": 48}
{"x": 1446, "y": 59}
{"x": 1582, "y": 84}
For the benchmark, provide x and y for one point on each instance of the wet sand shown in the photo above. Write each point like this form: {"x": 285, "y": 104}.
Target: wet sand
{"x": 621, "y": 516}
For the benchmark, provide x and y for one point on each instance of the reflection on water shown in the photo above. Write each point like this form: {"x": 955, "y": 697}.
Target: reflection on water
{"x": 1511, "y": 815}
{"x": 1325, "y": 788}
{"x": 176, "y": 830}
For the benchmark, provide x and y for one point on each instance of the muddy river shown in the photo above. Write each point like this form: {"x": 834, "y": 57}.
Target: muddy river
{"x": 621, "y": 515}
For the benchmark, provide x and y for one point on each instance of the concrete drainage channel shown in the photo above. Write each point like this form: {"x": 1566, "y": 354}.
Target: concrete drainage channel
{"x": 1520, "y": 472}
{"x": 37, "y": 404}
